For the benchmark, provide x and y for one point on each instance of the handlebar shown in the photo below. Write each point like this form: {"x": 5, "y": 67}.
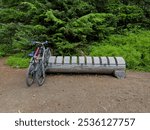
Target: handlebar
{"x": 41, "y": 43}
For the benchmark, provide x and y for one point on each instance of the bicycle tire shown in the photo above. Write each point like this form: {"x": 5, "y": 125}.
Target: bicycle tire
{"x": 40, "y": 74}
{"x": 30, "y": 75}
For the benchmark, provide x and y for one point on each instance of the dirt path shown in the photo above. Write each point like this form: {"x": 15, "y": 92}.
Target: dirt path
{"x": 74, "y": 93}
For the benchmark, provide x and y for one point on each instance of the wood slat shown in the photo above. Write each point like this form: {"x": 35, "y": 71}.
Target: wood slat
{"x": 89, "y": 60}
{"x": 112, "y": 61}
{"x": 81, "y": 60}
{"x": 67, "y": 60}
{"x": 120, "y": 61}
{"x": 96, "y": 60}
{"x": 74, "y": 59}
{"x": 52, "y": 59}
{"x": 59, "y": 60}
{"x": 104, "y": 60}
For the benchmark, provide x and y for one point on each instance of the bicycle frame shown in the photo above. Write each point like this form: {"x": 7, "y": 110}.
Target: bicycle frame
{"x": 38, "y": 55}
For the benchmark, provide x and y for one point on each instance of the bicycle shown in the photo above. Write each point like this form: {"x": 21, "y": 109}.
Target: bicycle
{"x": 38, "y": 64}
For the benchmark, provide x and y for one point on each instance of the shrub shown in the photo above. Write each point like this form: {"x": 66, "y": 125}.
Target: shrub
{"x": 9, "y": 14}
{"x": 134, "y": 47}
{"x": 17, "y": 62}
{"x": 88, "y": 28}
{"x": 2, "y": 53}
{"x": 5, "y": 50}
{"x": 131, "y": 56}
{"x": 127, "y": 13}
{"x": 51, "y": 18}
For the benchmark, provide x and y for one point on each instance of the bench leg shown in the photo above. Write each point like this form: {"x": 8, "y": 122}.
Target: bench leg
{"x": 120, "y": 74}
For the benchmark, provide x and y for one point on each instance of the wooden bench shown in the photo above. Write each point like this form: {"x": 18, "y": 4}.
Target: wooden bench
{"x": 87, "y": 64}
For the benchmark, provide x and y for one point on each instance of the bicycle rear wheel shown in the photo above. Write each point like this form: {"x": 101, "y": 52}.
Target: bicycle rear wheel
{"x": 40, "y": 74}
{"x": 30, "y": 75}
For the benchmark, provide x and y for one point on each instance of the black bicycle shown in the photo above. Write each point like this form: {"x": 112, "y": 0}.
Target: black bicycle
{"x": 38, "y": 64}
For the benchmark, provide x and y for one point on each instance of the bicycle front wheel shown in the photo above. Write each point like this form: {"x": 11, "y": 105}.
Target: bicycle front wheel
{"x": 40, "y": 74}
{"x": 30, "y": 75}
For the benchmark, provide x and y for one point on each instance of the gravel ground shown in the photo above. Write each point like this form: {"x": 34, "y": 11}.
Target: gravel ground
{"x": 74, "y": 93}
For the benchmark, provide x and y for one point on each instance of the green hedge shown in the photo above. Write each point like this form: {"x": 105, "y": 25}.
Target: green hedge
{"x": 135, "y": 48}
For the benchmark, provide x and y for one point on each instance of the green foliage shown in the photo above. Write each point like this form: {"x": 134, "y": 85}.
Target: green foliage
{"x": 19, "y": 36}
{"x": 4, "y": 50}
{"x": 17, "y": 61}
{"x": 127, "y": 14}
{"x": 77, "y": 33}
{"x": 66, "y": 48}
{"x": 9, "y": 2}
{"x": 131, "y": 55}
{"x": 72, "y": 26}
{"x": 91, "y": 27}
{"x": 51, "y": 18}
{"x": 9, "y": 14}
{"x": 2, "y": 53}
{"x": 7, "y": 32}
{"x": 100, "y": 5}
{"x": 135, "y": 48}
{"x": 27, "y": 6}
{"x": 70, "y": 9}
